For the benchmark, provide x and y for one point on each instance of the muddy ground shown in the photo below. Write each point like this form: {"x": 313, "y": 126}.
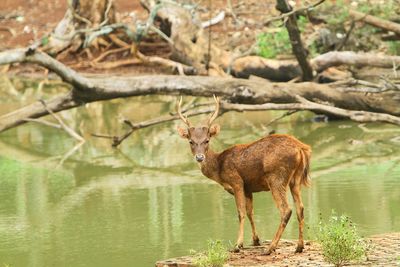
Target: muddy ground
{"x": 384, "y": 251}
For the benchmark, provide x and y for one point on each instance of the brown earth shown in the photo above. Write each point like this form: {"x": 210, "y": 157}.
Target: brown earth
{"x": 24, "y": 21}
{"x": 384, "y": 251}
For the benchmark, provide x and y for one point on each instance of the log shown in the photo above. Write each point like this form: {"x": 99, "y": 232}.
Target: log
{"x": 335, "y": 58}
{"x": 90, "y": 89}
{"x": 375, "y": 21}
{"x": 190, "y": 46}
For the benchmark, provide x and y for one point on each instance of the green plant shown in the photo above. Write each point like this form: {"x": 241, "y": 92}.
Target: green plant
{"x": 215, "y": 256}
{"x": 271, "y": 44}
{"x": 340, "y": 240}
{"x": 394, "y": 47}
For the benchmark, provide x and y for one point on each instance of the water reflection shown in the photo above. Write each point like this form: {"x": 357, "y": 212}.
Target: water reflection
{"x": 147, "y": 200}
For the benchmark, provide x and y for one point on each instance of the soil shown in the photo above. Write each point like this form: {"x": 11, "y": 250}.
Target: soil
{"x": 384, "y": 251}
{"x": 22, "y": 22}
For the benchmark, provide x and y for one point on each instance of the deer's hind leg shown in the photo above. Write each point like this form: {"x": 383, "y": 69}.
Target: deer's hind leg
{"x": 280, "y": 198}
{"x": 250, "y": 215}
{"x": 296, "y": 193}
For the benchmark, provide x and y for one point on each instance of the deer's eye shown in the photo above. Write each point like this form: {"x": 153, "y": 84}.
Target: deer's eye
{"x": 206, "y": 142}
{"x": 191, "y": 142}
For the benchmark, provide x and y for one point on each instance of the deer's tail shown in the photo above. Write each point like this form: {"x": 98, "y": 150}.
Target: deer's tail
{"x": 305, "y": 159}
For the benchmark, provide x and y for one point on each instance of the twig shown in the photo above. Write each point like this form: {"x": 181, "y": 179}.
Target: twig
{"x": 288, "y": 113}
{"x": 388, "y": 84}
{"x": 65, "y": 127}
{"x": 163, "y": 35}
{"x": 109, "y": 5}
{"x": 181, "y": 68}
{"x": 294, "y": 11}
{"x": 118, "y": 41}
{"x": 109, "y": 52}
{"x": 232, "y": 12}
{"x": 115, "y": 64}
{"x": 215, "y": 20}
{"x": 346, "y": 38}
{"x": 70, "y": 153}
{"x": 76, "y": 15}
{"x": 117, "y": 140}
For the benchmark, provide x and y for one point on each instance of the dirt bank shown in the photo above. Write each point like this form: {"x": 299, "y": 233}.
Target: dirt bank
{"x": 385, "y": 251}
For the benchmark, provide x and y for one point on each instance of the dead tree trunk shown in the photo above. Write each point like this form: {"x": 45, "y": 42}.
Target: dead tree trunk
{"x": 86, "y": 90}
{"x": 295, "y": 40}
{"x": 81, "y": 17}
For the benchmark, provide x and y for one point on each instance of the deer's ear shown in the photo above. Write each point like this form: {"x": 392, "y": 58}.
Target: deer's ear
{"x": 214, "y": 130}
{"x": 183, "y": 132}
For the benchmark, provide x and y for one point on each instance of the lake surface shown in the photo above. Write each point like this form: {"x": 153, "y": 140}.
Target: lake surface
{"x": 93, "y": 205}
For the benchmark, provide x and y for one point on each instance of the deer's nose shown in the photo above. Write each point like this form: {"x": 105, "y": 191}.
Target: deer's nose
{"x": 200, "y": 157}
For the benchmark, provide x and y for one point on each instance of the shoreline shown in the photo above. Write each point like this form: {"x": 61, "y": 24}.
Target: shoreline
{"x": 384, "y": 251}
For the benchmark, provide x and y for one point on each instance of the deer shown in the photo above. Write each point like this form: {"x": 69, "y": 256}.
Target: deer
{"x": 275, "y": 163}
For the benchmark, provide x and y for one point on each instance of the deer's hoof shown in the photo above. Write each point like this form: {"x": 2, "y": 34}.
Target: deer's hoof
{"x": 299, "y": 249}
{"x": 236, "y": 249}
{"x": 256, "y": 242}
{"x": 268, "y": 252}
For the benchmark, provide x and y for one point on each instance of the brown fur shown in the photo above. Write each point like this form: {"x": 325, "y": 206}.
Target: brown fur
{"x": 273, "y": 163}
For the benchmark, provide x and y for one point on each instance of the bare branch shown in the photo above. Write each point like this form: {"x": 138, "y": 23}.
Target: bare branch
{"x": 87, "y": 90}
{"x": 332, "y": 59}
{"x": 303, "y": 104}
{"x": 286, "y": 114}
{"x": 117, "y": 140}
{"x": 294, "y": 11}
{"x": 65, "y": 127}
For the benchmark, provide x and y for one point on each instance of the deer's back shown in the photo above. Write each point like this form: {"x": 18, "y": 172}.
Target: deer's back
{"x": 275, "y": 156}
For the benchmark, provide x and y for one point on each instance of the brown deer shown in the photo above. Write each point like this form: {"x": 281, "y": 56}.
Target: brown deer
{"x": 273, "y": 163}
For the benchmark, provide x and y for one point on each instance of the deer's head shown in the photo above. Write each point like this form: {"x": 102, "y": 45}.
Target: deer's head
{"x": 199, "y": 136}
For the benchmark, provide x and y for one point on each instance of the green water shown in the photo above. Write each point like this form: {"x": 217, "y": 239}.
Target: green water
{"x": 147, "y": 200}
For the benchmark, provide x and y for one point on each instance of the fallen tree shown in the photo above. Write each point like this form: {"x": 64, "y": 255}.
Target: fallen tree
{"x": 191, "y": 46}
{"x": 93, "y": 24}
{"x": 331, "y": 99}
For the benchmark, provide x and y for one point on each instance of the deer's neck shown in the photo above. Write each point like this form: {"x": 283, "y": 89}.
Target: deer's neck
{"x": 210, "y": 167}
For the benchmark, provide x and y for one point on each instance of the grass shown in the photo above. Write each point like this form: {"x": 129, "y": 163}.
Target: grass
{"x": 269, "y": 45}
{"x": 215, "y": 256}
{"x": 340, "y": 241}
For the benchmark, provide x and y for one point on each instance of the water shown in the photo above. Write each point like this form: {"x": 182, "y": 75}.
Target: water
{"x": 147, "y": 200}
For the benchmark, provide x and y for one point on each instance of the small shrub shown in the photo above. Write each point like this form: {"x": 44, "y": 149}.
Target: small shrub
{"x": 340, "y": 241}
{"x": 270, "y": 45}
{"x": 394, "y": 47}
{"x": 215, "y": 256}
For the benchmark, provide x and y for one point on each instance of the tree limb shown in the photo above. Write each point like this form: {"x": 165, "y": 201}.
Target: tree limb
{"x": 302, "y": 104}
{"x": 86, "y": 90}
{"x": 294, "y": 11}
{"x": 350, "y": 58}
{"x": 65, "y": 127}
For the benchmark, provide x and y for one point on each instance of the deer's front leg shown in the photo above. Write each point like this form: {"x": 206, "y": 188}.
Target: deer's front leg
{"x": 241, "y": 208}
